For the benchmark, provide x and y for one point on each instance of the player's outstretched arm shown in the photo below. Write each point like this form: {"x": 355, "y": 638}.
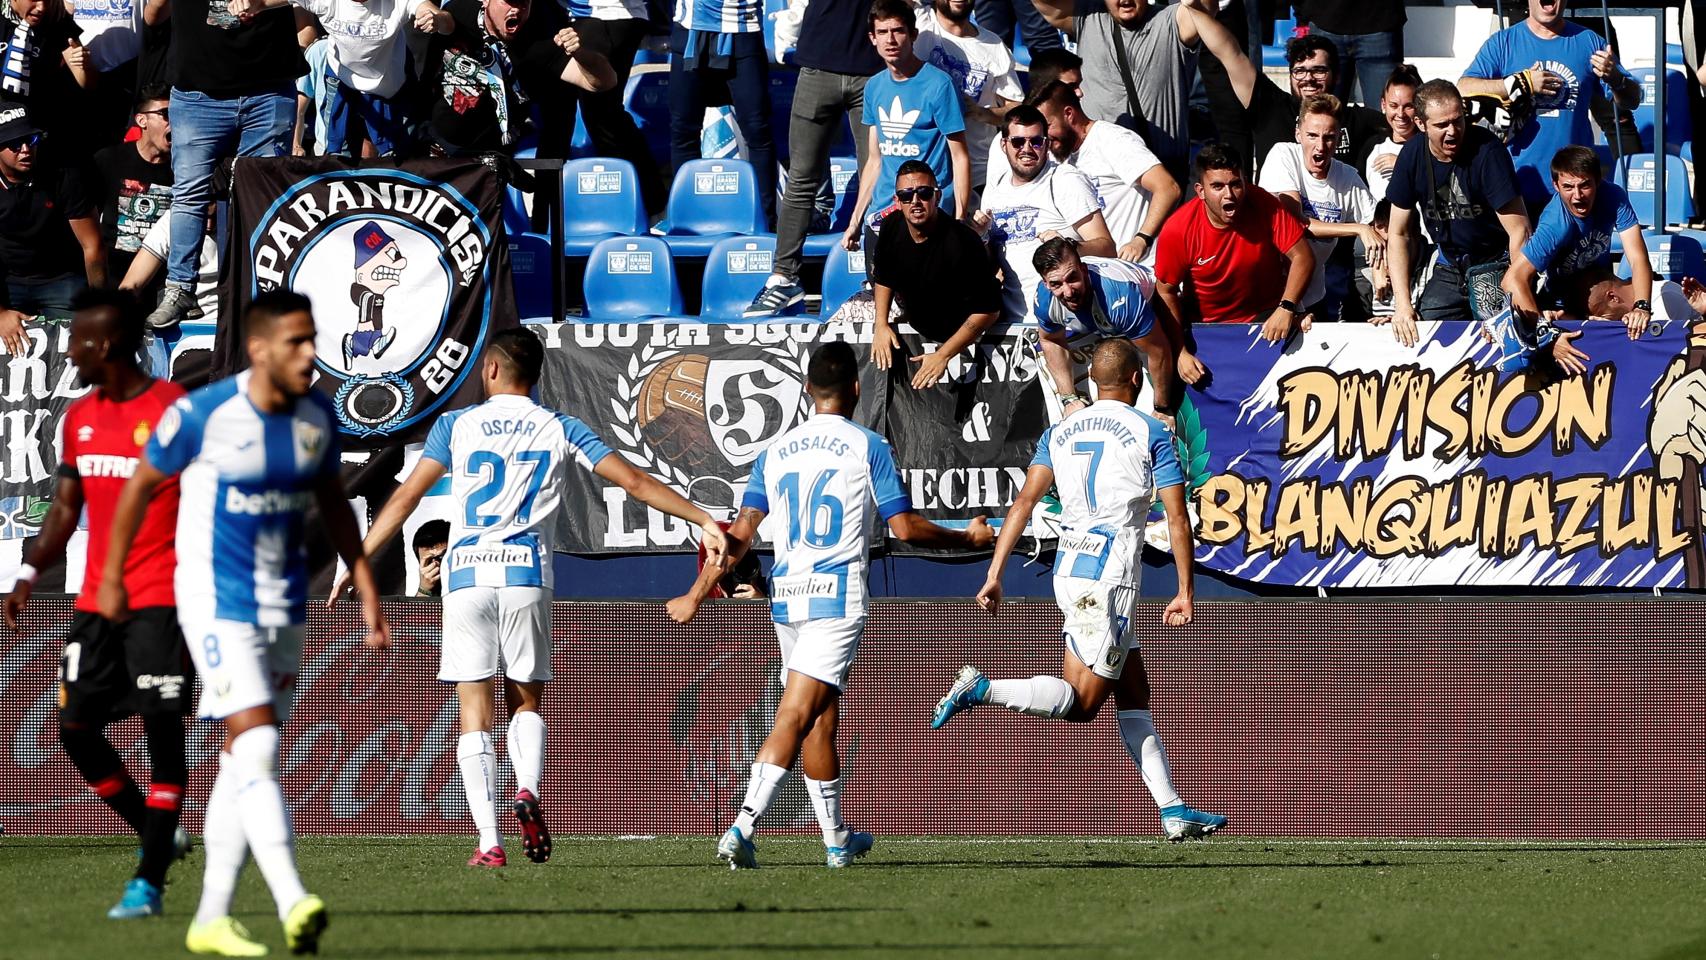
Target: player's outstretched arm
{"x": 391, "y": 516}
{"x": 1181, "y": 609}
{"x": 741, "y": 534}
{"x": 920, "y": 532}
{"x": 339, "y": 521}
{"x": 48, "y": 549}
{"x": 127, "y": 518}
{"x": 1037, "y": 482}
{"x": 644, "y": 488}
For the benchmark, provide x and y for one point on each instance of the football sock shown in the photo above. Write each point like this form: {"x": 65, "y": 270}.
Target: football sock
{"x": 826, "y": 800}
{"x": 1038, "y": 696}
{"x": 223, "y": 844}
{"x": 169, "y": 771}
{"x": 476, "y": 756}
{"x": 103, "y": 770}
{"x": 760, "y": 790}
{"x": 1137, "y": 729}
{"x": 266, "y": 821}
{"x": 526, "y": 744}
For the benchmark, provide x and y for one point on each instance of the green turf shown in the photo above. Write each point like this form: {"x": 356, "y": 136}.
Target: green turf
{"x": 411, "y": 897}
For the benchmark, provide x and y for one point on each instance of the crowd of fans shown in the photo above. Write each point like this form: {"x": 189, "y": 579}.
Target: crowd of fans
{"x": 1359, "y": 191}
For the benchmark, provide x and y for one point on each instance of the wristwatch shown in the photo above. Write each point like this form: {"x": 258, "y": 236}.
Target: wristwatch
{"x": 1644, "y": 305}
{"x": 1146, "y": 237}
{"x": 1067, "y": 399}
{"x": 1290, "y": 307}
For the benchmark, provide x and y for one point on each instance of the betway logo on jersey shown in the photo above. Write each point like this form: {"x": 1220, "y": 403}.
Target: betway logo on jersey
{"x": 90, "y": 465}
{"x": 268, "y": 503}
{"x": 896, "y": 123}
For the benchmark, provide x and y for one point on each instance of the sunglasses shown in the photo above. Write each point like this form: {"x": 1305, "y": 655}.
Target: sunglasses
{"x": 33, "y": 140}
{"x": 926, "y": 194}
{"x": 162, "y": 112}
{"x": 1020, "y": 143}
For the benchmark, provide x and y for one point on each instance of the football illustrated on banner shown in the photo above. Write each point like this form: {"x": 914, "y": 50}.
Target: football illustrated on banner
{"x": 406, "y": 268}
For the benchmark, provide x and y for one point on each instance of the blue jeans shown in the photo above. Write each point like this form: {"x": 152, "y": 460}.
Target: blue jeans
{"x": 380, "y": 117}
{"x": 1366, "y": 58}
{"x": 205, "y": 130}
{"x": 747, "y": 79}
{"x": 1001, "y": 16}
{"x": 44, "y": 297}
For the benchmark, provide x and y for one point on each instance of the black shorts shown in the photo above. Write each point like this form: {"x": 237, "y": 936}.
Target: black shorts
{"x": 109, "y": 671}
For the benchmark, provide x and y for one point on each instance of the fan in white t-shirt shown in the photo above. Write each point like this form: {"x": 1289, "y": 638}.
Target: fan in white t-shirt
{"x": 1329, "y": 195}
{"x": 1039, "y": 198}
{"x": 981, "y": 67}
{"x": 1136, "y": 192}
{"x": 157, "y": 248}
{"x": 1398, "y": 105}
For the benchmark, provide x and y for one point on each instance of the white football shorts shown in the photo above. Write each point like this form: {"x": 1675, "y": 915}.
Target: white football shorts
{"x": 1098, "y": 622}
{"x": 241, "y": 666}
{"x": 488, "y": 626}
{"x": 822, "y": 649}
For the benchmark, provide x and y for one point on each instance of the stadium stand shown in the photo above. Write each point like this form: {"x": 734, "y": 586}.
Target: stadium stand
{"x": 734, "y": 270}
{"x": 843, "y": 277}
{"x": 601, "y": 199}
{"x": 631, "y": 278}
{"x": 710, "y": 201}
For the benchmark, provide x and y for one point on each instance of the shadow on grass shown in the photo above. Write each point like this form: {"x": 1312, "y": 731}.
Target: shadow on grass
{"x": 560, "y": 950}
{"x": 737, "y": 909}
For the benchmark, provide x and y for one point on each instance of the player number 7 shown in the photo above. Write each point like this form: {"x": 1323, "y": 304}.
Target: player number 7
{"x": 1093, "y": 450}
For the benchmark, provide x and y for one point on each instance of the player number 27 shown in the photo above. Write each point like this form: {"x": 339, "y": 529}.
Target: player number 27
{"x": 1093, "y": 450}
{"x": 816, "y": 519}
{"x": 493, "y": 468}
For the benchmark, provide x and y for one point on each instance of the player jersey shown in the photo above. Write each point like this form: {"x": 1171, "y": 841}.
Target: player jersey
{"x": 247, "y": 478}
{"x": 817, "y": 482}
{"x": 100, "y": 441}
{"x": 505, "y": 457}
{"x": 1109, "y": 460}
{"x": 1118, "y": 305}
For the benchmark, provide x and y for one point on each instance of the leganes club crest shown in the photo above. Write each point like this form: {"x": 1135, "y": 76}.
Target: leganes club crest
{"x": 388, "y": 258}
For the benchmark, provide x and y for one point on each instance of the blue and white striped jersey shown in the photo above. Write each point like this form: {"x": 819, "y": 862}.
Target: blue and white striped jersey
{"x": 246, "y": 478}
{"x": 1109, "y": 460}
{"x": 720, "y": 16}
{"x": 505, "y": 458}
{"x": 817, "y": 482}
{"x": 1118, "y": 305}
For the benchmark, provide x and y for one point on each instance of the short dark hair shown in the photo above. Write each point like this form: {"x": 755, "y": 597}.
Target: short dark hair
{"x": 1302, "y": 48}
{"x": 913, "y": 168}
{"x": 1578, "y": 299}
{"x": 128, "y": 327}
{"x": 151, "y": 92}
{"x": 1051, "y": 253}
{"x": 1403, "y": 75}
{"x": 1436, "y": 91}
{"x": 1216, "y": 156}
{"x": 1383, "y": 211}
{"x": 1048, "y": 65}
{"x": 893, "y": 10}
{"x": 1578, "y": 161}
{"x": 430, "y": 534}
{"x": 833, "y": 369}
{"x": 1023, "y": 115}
{"x": 520, "y": 352}
{"x": 1057, "y": 92}
{"x": 265, "y": 310}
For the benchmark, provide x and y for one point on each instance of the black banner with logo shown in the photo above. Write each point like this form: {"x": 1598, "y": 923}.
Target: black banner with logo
{"x": 407, "y": 269}
{"x": 694, "y": 405}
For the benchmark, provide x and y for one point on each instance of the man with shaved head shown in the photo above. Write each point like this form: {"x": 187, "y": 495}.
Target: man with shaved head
{"x": 1108, "y": 461}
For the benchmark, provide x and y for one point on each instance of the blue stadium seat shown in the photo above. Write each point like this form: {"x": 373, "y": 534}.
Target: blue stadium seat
{"x": 601, "y": 199}
{"x": 843, "y": 276}
{"x": 709, "y": 201}
{"x": 631, "y": 278}
{"x": 844, "y": 180}
{"x": 647, "y": 100}
{"x": 530, "y": 265}
{"x": 1673, "y": 256}
{"x": 734, "y": 272}
{"x": 1678, "y": 126}
{"x": 1636, "y": 175}
{"x": 1273, "y": 54}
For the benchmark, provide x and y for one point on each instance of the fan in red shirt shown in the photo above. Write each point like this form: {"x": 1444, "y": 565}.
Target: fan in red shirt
{"x": 109, "y": 669}
{"x": 1240, "y": 254}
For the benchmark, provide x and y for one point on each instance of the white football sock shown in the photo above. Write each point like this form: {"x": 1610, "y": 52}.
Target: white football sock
{"x": 1137, "y": 729}
{"x": 826, "y": 800}
{"x": 266, "y": 821}
{"x": 761, "y": 788}
{"x": 526, "y": 745}
{"x": 1038, "y": 696}
{"x": 222, "y": 840}
{"x": 476, "y": 756}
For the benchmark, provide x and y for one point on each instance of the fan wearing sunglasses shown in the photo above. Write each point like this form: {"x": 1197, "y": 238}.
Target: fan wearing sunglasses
{"x": 940, "y": 273}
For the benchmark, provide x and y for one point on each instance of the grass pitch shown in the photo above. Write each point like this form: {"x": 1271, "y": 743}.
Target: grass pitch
{"x": 411, "y": 897}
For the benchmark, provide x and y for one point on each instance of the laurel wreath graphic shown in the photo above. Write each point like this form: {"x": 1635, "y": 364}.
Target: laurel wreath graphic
{"x": 625, "y": 406}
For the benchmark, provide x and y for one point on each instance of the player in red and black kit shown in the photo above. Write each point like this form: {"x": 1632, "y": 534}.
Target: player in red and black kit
{"x": 110, "y": 670}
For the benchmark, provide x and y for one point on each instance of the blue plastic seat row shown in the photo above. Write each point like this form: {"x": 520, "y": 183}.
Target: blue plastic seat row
{"x": 630, "y": 279}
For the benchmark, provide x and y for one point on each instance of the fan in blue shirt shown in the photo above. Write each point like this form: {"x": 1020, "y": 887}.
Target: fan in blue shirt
{"x": 1575, "y": 230}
